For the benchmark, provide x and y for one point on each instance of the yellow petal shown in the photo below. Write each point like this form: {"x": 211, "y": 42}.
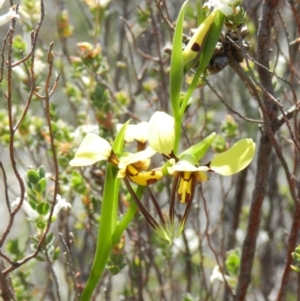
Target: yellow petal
{"x": 143, "y": 178}
{"x": 235, "y": 159}
{"x": 184, "y": 190}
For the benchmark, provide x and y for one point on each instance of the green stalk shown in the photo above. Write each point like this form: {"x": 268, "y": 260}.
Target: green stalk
{"x": 104, "y": 241}
{"x": 177, "y": 133}
{"x": 127, "y": 218}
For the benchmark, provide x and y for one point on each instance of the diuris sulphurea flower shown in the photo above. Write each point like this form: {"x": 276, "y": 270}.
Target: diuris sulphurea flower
{"x": 135, "y": 166}
{"x": 185, "y": 167}
{"x": 187, "y": 171}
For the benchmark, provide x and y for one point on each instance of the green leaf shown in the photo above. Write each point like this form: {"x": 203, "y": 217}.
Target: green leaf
{"x": 176, "y": 68}
{"x": 235, "y": 159}
{"x": 40, "y": 224}
{"x": 199, "y": 149}
{"x": 56, "y": 253}
{"x": 43, "y": 208}
{"x": 42, "y": 171}
{"x": 187, "y": 297}
{"x": 32, "y": 176}
{"x": 32, "y": 203}
{"x": 119, "y": 141}
{"x": 232, "y": 262}
{"x": 295, "y": 269}
{"x": 49, "y": 238}
{"x": 41, "y": 185}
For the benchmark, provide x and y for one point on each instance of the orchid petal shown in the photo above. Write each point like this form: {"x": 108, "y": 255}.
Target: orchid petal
{"x": 235, "y": 159}
{"x": 139, "y": 156}
{"x": 91, "y": 150}
{"x": 137, "y": 132}
{"x": 186, "y": 166}
{"x": 161, "y": 133}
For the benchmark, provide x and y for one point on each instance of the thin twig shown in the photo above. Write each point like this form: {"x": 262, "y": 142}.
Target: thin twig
{"x": 53, "y": 275}
{"x": 5, "y": 187}
{"x": 69, "y": 254}
{"x": 228, "y": 107}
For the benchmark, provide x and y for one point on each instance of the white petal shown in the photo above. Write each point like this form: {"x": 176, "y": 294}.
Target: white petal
{"x": 225, "y": 9}
{"x": 60, "y": 204}
{"x": 91, "y": 150}
{"x": 1, "y": 3}
{"x": 161, "y": 133}
{"x": 8, "y": 16}
{"x": 137, "y": 132}
{"x": 186, "y": 166}
{"x": 139, "y": 156}
{"x": 223, "y": 6}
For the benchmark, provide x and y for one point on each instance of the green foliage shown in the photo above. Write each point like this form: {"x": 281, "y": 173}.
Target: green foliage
{"x": 232, "y": 262}
{"x": 296, "y": 258}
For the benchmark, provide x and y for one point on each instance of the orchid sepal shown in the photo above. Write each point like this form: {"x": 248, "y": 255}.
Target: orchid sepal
{"x": 162, "y": 133}
{"x": 199, "y": 149}
{"x": 91, "y": 150}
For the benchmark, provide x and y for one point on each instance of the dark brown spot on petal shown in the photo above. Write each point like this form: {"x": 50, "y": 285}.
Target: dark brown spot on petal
{"x": 151, "y": 181}
{"x": 196, "y": 47}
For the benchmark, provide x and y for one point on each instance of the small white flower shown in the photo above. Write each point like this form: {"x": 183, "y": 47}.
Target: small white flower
{"x": 60, "y": 204}
{"x": 30, "y": 212}
{"x": 224, "y": 6}
{"x": 9, "y": 15}
{"x": 85, "y": 129}
{"x": 192, "y": 240}
{"x": 96, "y": 3}
{"x": 217, "y": 275}
{"x": 161, "y": 133}
{"x": 33, "y": 215}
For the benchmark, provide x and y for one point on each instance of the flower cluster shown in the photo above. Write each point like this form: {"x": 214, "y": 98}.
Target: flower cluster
{"x": 185, "y": 168}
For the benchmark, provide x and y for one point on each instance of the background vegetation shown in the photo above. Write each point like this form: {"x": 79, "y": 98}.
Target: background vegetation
{"x": 72, "y": 67}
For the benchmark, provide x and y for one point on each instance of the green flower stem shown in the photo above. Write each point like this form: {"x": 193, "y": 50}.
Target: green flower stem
{"x": 127, "y": 218}
{"x": 177, "y": 75}
{"x": 206, "y": 56}
{"x": 107, "y": 222}
{"x": 177, "y": 125}
{"x": 110, "y": 232}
